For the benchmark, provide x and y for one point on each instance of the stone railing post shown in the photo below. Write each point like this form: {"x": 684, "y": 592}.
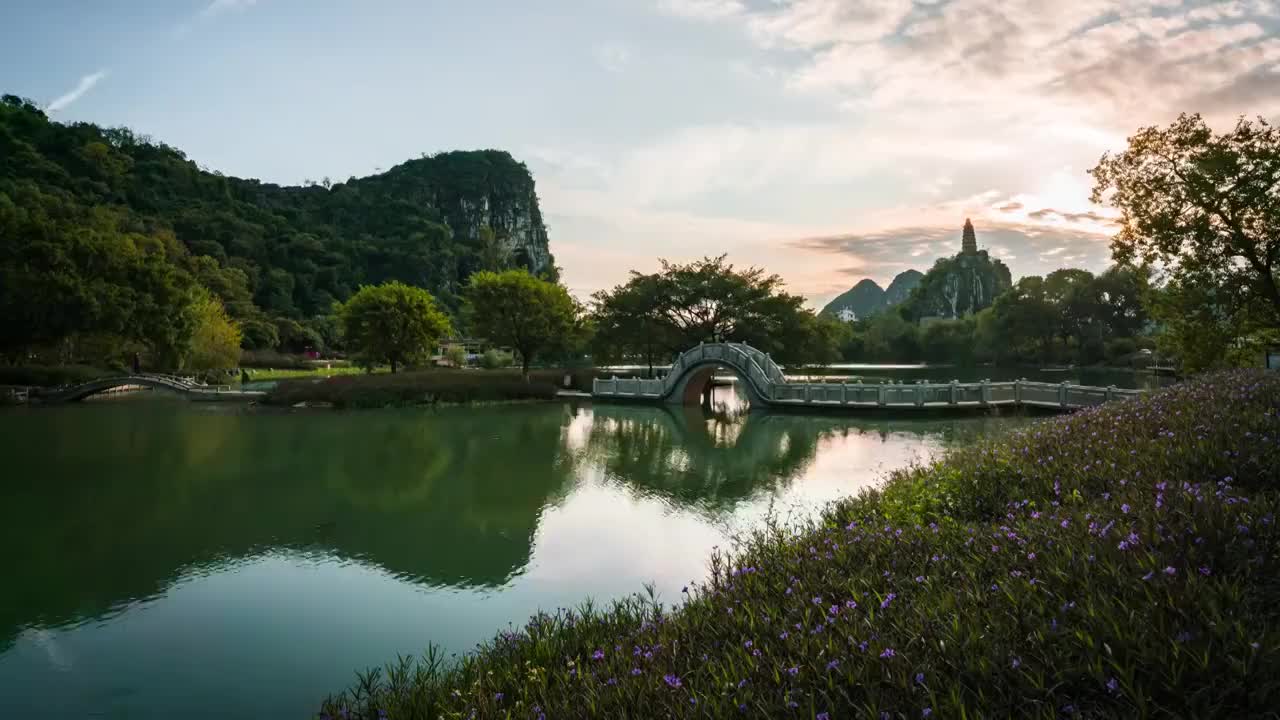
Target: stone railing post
{"x": 986, "y": 392}
{"x": 1062, "y": 394}
{"x": 955, "y": 391}
{"x": 880, "y": 395}
{"x": 1017, "y": 392}
{"x": 806, "y": 392}
{"x": 844, "y": 392}
{"x": 1111, "y": 393}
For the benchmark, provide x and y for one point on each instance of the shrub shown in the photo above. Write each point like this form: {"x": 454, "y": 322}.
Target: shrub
{"x": 456, "y": 355}
{"x": 410, "y": 388}
{"x": 492, "y": 359}
{"x": 1118, "y": 562}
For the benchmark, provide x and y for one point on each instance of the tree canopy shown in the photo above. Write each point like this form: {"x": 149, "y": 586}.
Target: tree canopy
{"x": 276, "y": 257}
{"x": 516, "y": 309}
{"x": 1205, "y": 208}
{"x": 707, "y": 300}
{"x": 392, "y": 323}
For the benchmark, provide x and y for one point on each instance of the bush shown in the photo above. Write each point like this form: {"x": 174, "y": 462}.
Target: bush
{"x": 1119, "y": 562}
{"x": 456, "y": 355}
{"x": 411, "y": 388}
{"x": 49, "y": 375}
{"x": 492, "y": 359}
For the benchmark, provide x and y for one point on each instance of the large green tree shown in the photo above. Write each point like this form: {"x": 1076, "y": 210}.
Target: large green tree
{"x": 710, "y": 300}
{"x": 514, "y": 308}
{"x": 392, "y": 323}
{"x": 1206, "y": 208}
{"x": 629, "y": 321}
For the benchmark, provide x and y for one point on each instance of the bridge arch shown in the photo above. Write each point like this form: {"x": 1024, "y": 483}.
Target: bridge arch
{"x": 182, "y": 386}
{"x": 692, "y": 373}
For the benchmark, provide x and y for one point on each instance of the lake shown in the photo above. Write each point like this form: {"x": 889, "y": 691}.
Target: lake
{"x": 166, "y": 559}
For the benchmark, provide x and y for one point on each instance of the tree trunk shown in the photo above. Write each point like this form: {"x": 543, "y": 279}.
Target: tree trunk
{"x": 524, "y": 367}
{"x": 394, "y": 366}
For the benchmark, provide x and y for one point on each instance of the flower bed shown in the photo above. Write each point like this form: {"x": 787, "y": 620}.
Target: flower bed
{"x": 1118, "y": 562}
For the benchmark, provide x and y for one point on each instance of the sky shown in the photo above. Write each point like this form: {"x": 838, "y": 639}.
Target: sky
{"x": 825, "y": 140}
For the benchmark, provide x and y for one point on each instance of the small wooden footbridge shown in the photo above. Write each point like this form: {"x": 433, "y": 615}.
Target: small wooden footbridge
{"x": 185, "y": 386}
{"x": 766, "y": 386}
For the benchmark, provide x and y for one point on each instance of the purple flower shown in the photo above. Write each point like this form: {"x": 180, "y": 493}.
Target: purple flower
{"x": 497, "y": 696}
{"x": 1112, "y": 684}
{"x": 1125, "y": 508}
{"x": 887, "y": 599}
{"x": 782, "y": 635}
{"x": 851, "y": 604}
{"x": 1015, "y": 663}
{"x": 926, "y": 712}
{"x": 672, "y": 680}
{"x": 597, "y": 655}
{"x": 822, "y": 716}
{"x": 888, "y": 653}
{"x": 919, "y": 678}
{"x": 635, "y": 671}
{"x": 833, "y": 664}
{"x": 1170, "y": 570}
{"x": 1065, "y": 523}
{"x": 747, "y": 644}
{"x": 919, "y": 578}
{"x": 817, "y": 601}
{"x": 1031, "y": 556}
{"x": 793, "y": 671}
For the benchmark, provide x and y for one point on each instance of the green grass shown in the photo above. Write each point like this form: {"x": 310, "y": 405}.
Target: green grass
{"x": 261, "y": 375}
{"x": 1121, "y": 562}
{"x": 426, "y": 387}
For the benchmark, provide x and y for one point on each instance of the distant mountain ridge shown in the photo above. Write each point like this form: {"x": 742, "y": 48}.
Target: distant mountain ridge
{"x": 867, "y": 297}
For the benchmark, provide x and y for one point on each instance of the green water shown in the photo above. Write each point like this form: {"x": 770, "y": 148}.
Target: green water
{"x": 166, "y": 559}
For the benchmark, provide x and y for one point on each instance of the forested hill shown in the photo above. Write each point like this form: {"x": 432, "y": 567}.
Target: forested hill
{"x": 276, "y": 256}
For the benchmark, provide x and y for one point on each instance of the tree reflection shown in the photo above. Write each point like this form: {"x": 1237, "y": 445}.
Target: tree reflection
{"x": 107, "y": 505}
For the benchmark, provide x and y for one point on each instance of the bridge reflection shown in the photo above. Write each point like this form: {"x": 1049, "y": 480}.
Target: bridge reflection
{"x": 110, "y": 503}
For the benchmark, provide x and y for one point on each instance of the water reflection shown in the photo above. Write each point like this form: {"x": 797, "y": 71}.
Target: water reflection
{"x": 163, "y": 551}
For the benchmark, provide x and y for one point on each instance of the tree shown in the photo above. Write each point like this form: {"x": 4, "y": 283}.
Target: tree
{"x": 1025, "y": 320}
{"x": 215, "y": 338}
{"x": 1205, "y": 206}
{"x": 392, "y": 323}
{"x": 707, "y": 300}
{"x": 629, "y": 322}
{"x": 517, "y": 309}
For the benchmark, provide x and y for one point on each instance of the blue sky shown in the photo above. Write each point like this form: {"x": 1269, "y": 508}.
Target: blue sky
{"x": 827, "y": 140}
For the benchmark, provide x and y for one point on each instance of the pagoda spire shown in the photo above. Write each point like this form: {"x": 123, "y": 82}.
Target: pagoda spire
{"x": 969, "y": 242}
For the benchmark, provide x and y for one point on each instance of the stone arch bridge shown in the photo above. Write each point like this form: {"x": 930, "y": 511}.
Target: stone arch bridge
{"x": 187, "y": 387}
{"x": 767, "y": 386}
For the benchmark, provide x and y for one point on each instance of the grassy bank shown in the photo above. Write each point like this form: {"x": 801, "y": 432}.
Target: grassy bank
{"x": 1118, "y": 562}
{"x": 427, "y": 387}
{"x": 49, "y": 375}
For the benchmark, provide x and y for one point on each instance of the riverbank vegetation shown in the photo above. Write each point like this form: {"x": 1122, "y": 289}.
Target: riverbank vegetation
{"x": 420, "y": 387}
{"x": 1118, "y": 562}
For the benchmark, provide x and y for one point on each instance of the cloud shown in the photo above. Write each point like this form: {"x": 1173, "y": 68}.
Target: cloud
{"x": 86, "y": 84}
{"x": 613, "y": 58}
{"x": 218, "y": 7}
{"x": 213, "y": 9}
{"x": 1028, "y": 249}
{"x": 702, "y": 9}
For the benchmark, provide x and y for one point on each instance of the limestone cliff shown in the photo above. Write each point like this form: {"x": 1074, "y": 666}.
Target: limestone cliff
{"x": 958, "y": 286}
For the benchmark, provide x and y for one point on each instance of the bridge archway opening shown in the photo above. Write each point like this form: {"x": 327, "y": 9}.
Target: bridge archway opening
{"x": 700, "y": 388}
